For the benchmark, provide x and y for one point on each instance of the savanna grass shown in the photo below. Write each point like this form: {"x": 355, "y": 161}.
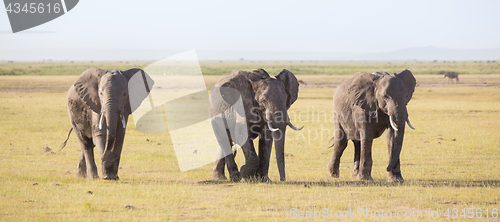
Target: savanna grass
{"x": 297, "y": 67}
{"x": 449, "y": 161}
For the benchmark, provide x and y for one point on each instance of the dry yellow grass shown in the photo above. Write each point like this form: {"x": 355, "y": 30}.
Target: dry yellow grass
{"x": 450, "y": 161}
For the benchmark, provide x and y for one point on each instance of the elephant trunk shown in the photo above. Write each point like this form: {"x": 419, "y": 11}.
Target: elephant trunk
{"x": 395, "y": 136}
{"x": 279, "y": 146}
{"x": 281, "y": 120}
{"x": 111, "y": 119}
{"x": 395, "y": 144}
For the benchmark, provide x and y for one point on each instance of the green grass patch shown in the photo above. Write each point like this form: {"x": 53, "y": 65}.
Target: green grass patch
{"x": 272, "y": 67}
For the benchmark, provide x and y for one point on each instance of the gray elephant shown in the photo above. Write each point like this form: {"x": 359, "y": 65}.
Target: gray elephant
{"x": 266, "y": 101}
{"x": 99, "y": 106}
{"x": 451, "y": 76}
{"x": 364, "y": 106}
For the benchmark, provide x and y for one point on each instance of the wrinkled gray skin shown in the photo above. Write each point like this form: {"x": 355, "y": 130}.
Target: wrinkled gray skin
{"x": 100, "y": 94}
{"x": 451, "y": 76}
{"x": 266, "y": 101}
{"x": 363, "y": 108}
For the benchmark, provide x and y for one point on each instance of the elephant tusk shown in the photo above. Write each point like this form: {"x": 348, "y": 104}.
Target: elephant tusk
{"x": 409, "y": 124}
{"x": 293, "y": 127}
{"x": 271, "y": 127}
{"x": 124, "y": 123}
{"x": 100, "y": 122}
{"x": 393, "y": 124}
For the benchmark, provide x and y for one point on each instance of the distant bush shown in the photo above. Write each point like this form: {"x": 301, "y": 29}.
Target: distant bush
{"x": 7, "y": 72}
{"x": 272, "y": 67}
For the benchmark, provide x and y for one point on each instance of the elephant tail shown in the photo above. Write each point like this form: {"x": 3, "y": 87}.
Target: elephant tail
{"x": 65, "y": 141}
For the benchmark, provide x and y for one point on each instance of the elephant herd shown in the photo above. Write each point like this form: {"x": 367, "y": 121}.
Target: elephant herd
{"x": 364, "y": 106}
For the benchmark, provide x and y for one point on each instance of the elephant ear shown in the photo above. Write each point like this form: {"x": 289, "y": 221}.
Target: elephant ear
{"x": 362, "y": 91}
{"x": 242, "y": 82}
{"x": 409, "y": 82}
{"x": 254, "y": 77}
{"x": 139, "y": 86}
{"x": 87, "y": 87}
{"x": 130, "y": 73}
{"x": 261, "y": 72}
{"x": 291, "y": 86}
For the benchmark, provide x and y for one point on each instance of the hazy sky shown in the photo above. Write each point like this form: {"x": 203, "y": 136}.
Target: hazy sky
{"x": 155, "y": 29}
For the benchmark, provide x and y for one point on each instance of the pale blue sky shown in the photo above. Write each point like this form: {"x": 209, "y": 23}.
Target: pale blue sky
{"x": 156, "y": 29}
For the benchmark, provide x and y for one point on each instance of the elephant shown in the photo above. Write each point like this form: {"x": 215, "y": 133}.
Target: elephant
{"x": 99, "y": 106}
{"x": 451, "y": 76}
{"x": 266, "y": 101}
{"x": 364, "y": 106}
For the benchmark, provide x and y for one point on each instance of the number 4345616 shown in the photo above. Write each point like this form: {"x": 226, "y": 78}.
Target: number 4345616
{"x": 33, "y": 8}
{"x": 471, "y": 213}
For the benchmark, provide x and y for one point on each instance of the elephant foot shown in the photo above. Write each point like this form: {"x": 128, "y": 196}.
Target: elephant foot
{"x": 81, "y": 174}
{"x": 333, "y": 172}
{"x": 236, "y": 177}
{"x": 218, "y": 176}
{"x": 110, "y": 177}
{"x": 265, "y": 179}
{"x": 261, "y": 177}
{"x": 395, "y": 177}
{"x": 363, "y": 177}
{"x": 355, "y": 174}
{"x": 247, "y": 173}
{"x": 92, "y": 175}
{"x": 355, "y": 169}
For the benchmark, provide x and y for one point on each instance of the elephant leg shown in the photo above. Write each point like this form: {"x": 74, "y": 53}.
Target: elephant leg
{"x": 395, "y": 176}
{"x": 265, "y": 146}
{"x": 251, "y": 160}
{"x": 225, "y": 155}
{"x": 87, "y": 157}
{"x": 339, "y": 146}
{"x": 81, "y": 170}
{"x": 232, "y": 168}
{"x": 357, "y": 156}
{"x": 366, "y": 162}
{"x": 91, "y": 166}
{"x": 218, "y": 171}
